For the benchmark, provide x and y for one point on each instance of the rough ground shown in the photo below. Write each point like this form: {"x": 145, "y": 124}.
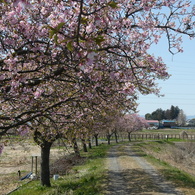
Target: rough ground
{"x": 18, "y": 156}
{"x": 132, "y": 174}
{"x": 128, "y": 172}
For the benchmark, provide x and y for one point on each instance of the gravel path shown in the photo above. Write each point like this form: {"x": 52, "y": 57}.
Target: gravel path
{"x": 117, "y": 185}
{"x": 132, "y": 174}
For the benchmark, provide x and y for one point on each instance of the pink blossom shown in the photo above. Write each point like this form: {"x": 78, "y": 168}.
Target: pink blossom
{"x": 11, "y": 62}
{"x": 2, "y": 77}
{"x": 89, "y": 28}
{"x": 23, "y": 130}
{"x": 21, "y": 3}
{"x": 97, "y": 21}
{"x": 11, "y": 14}
{"x": 91, "y": 57}
{"x": 15, "y": 84}
{"x": 38, "y": 93}
{"x": 44, "y": 11}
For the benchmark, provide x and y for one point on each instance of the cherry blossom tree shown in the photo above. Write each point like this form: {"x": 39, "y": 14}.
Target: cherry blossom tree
{"x": 44, "y": 135}
{"x": 62, "y": 54}
{"x": 181, "y": 119}
{"x": 98, "y": 128}
{"x": 132, "y": 123}
{"x": 110, "y": 124}
{"x": 105, "y": 120}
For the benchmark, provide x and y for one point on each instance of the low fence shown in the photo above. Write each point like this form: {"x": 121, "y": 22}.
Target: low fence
{"x": 151, "y": 136}
{"x": 163, "y": 136}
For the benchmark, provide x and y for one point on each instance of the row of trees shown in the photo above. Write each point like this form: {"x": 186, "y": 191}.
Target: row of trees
{"x": 161, "y": 114}
{"x": 174, "y": 113}
{"x": 67, "y": 67}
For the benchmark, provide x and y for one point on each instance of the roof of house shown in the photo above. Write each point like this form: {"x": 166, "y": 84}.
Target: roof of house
{"x": 152, "y": 121}
{"x": 168, "y": 121}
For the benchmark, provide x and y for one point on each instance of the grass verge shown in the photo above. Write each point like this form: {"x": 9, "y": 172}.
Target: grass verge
{"x": 85, "y": 179}
{"x": 180, "y": 178}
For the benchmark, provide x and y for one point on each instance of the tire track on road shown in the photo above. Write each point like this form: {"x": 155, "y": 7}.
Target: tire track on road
{"x": 136, "y": 177}
{"x": 116, "y": 182}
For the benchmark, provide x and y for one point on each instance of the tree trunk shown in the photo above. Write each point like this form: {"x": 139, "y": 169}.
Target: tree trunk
{"x": 108, "y": 138}
{"x": 129, "y": 136}
{"x": 84, "y": 145}
{"x": 96, "y": 140}
{"x": 116, "y": 138}
{"x": 75, "y": 147}
{"x": 45, "y": 171}
{"x": 89, "y": 143}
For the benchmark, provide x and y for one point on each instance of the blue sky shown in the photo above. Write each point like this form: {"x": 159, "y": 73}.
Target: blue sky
{"x": 179, "y": 89}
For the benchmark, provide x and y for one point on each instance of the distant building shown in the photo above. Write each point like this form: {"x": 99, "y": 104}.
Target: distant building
{"x": 167, "y": 123}
{"x": 153, "y": 123}
{"x": 190, "y": 122}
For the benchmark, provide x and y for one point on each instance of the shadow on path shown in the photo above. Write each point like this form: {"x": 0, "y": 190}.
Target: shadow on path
{"x": 135, "y": 181}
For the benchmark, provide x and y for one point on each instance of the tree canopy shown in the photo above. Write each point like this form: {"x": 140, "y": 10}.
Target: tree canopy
{"x": 160, "y": 114}
{"x": 55, "y": 53}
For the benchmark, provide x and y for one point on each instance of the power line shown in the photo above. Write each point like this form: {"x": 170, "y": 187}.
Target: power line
{"x": 152, "y": 103}
{"x": 176, "y": 61}
{"x": 164, "y": 98}
{"x": 181, "y": 93}
{"x": 167, "y": 93}
{"x": 190, "y": 84}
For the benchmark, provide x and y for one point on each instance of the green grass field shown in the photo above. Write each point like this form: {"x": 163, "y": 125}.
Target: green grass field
{"x": 84, "y": 179}
{"x": 89, "y": 178}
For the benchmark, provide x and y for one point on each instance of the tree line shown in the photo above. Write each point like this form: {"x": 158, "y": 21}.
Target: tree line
{"x": 170, "y": 114}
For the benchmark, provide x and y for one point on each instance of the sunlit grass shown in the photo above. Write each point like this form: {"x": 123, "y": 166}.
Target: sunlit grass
{"x": 175, "y": 175}
{"x": 85, "y": 179}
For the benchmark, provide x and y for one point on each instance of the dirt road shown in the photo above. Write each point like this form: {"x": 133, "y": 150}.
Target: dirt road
{"x": 132, "y": 174}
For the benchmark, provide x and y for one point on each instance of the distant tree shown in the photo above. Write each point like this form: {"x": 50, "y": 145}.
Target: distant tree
{"x": 154, "y": 115}
{"x": 148, "y": 116}
{"x": 132, "y": 123}
{"x": 177, "y": 110}
{"x": 160, "y": 114}
{"x": 157, "y": 114}
{"x": 167, "y": 114}
{"x": 181, "y": 119}
{"x": 174, "y": 112}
